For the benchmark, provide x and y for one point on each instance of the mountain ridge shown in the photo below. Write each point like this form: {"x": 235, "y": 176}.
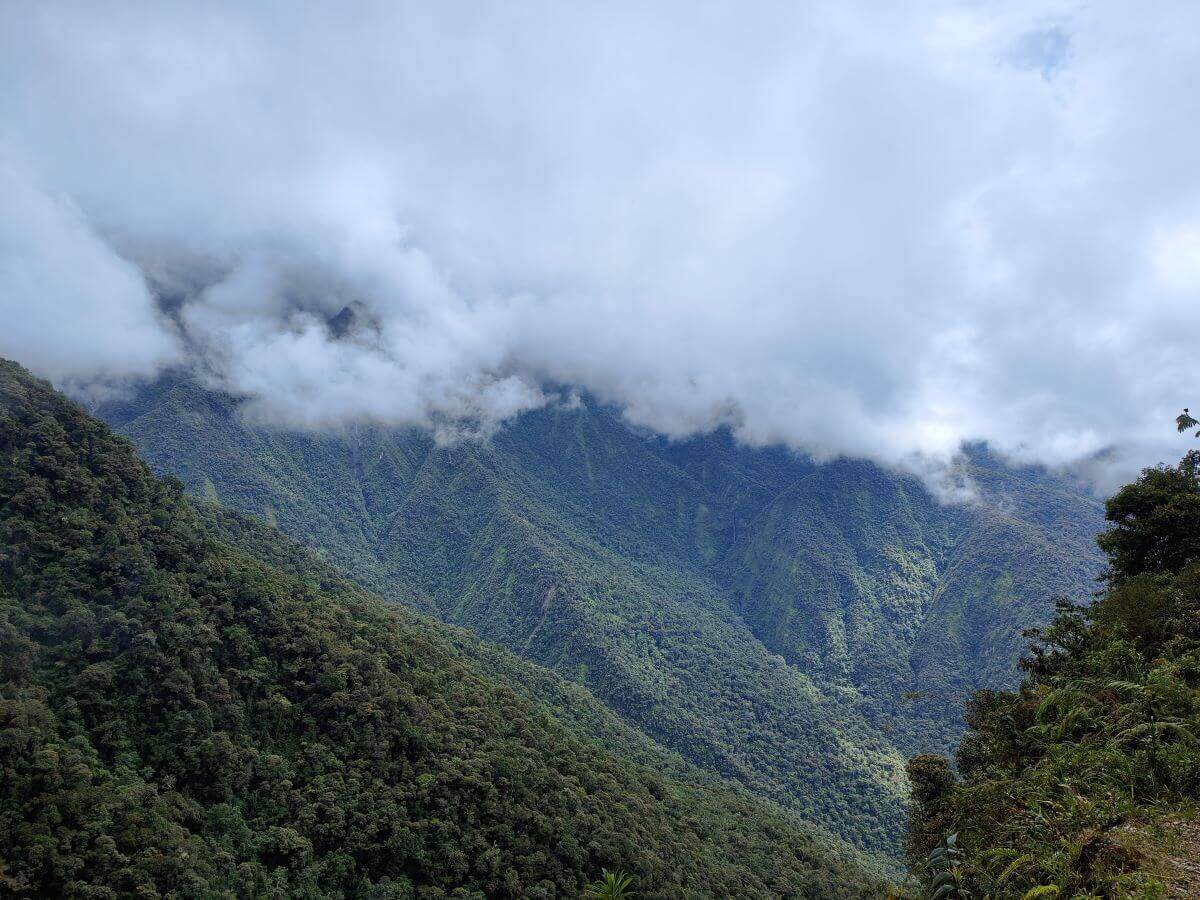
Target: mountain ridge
{"x": 182, "y": 716}
{"x": 624, "y": 561}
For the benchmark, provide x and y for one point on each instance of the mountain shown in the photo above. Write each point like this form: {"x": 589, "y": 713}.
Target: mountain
{"x": 863, "y": 576}
{"x": 193, "y": 705}
{"x": 799, "y": 628}
{"x": 1085, "y": 780}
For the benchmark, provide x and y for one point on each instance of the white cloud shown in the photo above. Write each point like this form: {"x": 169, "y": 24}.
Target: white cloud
{"x": 67, "y": 302}
{"x": 861, "y": 229}
{"x": 1175, "y": 256}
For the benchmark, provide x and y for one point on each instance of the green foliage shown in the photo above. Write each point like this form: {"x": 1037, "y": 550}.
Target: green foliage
{"x": 612, "y": 886}
{"x": 864, "y": 577}
{"x": 797, "y": 628}
{"x": 179, "y": 717}
{"x": 931, "y": 781}
{"x": 1186, "y": 420}
{"x": 1067, "y": 781}
{"x": 1156, "y": 521}
{"x": 942, "y": 871}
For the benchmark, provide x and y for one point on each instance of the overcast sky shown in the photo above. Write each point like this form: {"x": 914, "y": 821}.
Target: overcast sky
{"x": 872, "y": 229}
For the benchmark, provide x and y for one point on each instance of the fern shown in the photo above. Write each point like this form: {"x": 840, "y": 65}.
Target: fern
{"x": 1012, "y": 867}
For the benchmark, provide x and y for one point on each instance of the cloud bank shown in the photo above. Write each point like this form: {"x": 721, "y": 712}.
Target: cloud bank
{"x": 852, "y": 228}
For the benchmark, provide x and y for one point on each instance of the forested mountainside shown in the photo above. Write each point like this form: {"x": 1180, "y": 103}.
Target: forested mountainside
{"x": 800, "y": 628}
{"x": 191, "y": 705}
{"x": 1085, "y": 781}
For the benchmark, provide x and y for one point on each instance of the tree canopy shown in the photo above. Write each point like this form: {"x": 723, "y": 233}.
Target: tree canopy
{"x": 180, "y": 717}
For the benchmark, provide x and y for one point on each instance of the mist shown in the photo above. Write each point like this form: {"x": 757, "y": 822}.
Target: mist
{"x": 853, "y": 230}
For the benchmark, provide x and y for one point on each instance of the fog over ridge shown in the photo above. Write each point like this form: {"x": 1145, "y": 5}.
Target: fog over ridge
{"x": 854, "y": 230}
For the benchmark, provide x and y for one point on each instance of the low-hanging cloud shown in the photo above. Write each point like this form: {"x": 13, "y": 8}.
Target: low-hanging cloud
{"x": 66, "y": 300}
{"x": 855, "y": 229}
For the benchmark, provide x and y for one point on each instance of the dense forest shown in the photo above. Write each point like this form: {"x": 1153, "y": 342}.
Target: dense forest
{"x": 192, "y": 706}
{"x": 1085, "y": 781}
{"x": 799, "y": 628}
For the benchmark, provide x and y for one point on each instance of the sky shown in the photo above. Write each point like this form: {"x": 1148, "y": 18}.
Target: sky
{"x": 865, "y": 229}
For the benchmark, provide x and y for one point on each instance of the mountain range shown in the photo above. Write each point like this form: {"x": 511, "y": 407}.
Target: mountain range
{"x": 795, "y": 627}
{"x": 194, "y": 705}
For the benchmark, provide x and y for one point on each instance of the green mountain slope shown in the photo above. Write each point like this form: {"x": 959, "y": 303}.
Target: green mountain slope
{"x": 1085, "y": 781}
{"x": 180, "y": 716}
{"x": 861, "y": 575}
{"x": 798, "y": 628}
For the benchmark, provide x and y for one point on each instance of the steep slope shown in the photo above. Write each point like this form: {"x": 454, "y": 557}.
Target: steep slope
{"x": 1085, "y": 781}
{"x": 860, "y": 574}
{"x": 654, "y": 641}
{"x": 570, "y": 703}
{"x": 336, "y": 491}
{"x": 548, "y": 553}
{"x": 178, "y": 716}
{"x": 799, "y": 628}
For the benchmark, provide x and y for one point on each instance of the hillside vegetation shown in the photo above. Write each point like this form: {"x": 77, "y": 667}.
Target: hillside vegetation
{"x": 180, "y": 716}
{"x": 1085, "y": 781}
{"x": 799, "y": 628}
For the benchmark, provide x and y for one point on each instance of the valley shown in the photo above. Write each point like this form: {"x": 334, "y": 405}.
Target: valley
{"x": 798, "y": 628}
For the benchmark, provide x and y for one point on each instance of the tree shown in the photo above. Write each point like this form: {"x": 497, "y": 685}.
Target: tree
{"x": 932, "y": 781}
{"x": 1156, "y": 521}
{"x": 1185, "y": 420}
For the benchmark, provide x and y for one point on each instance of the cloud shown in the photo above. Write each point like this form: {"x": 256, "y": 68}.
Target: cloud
{"x": 852, "y": 229}
{"x": 68, "y": 303}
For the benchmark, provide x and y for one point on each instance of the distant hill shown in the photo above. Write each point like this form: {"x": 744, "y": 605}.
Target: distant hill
{"x": 800, "y": 628}
{"x": 193, "y": 705}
